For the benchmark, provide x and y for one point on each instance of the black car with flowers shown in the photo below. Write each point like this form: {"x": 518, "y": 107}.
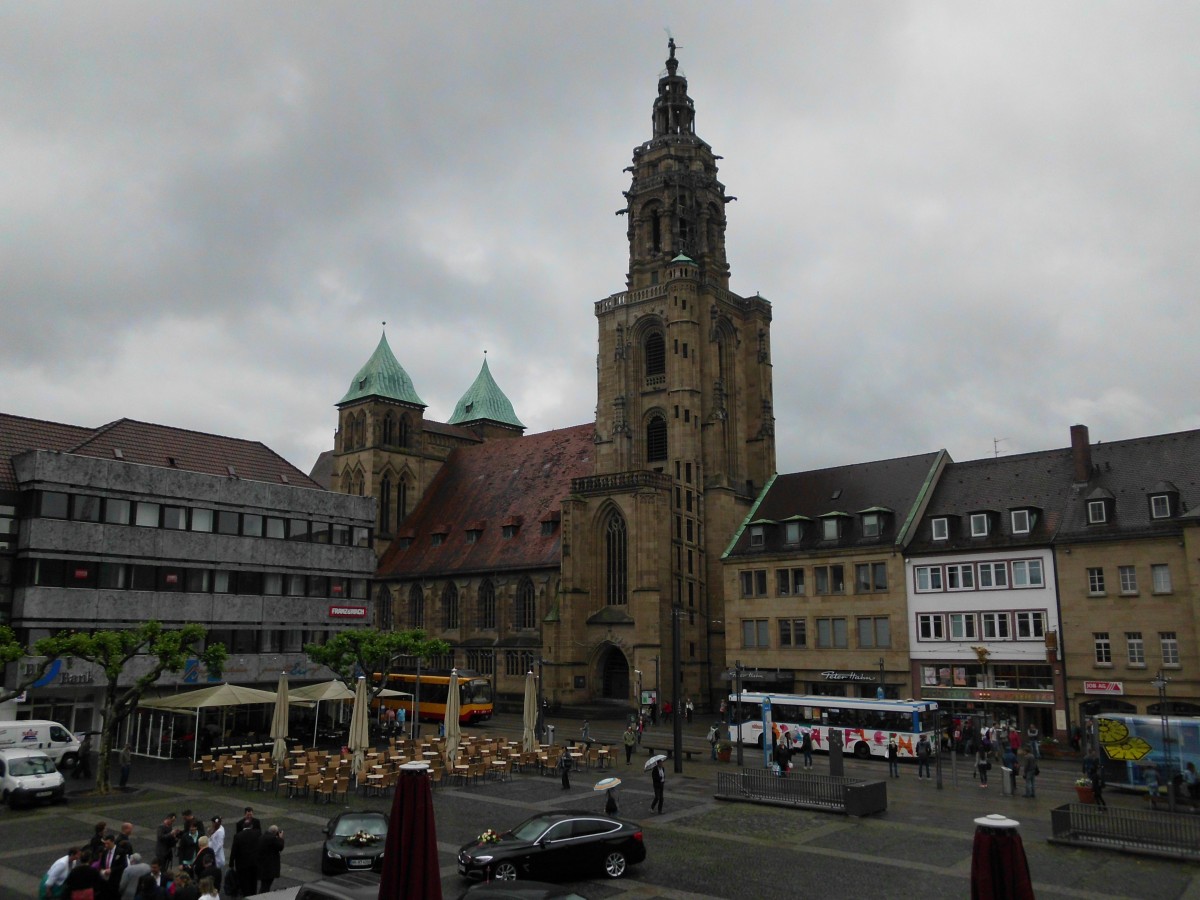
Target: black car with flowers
{"x": 554, "y": 845}
{"x": 354, "y": 842}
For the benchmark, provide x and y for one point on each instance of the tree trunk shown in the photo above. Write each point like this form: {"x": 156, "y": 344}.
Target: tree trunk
{"x": 111, "y": 723}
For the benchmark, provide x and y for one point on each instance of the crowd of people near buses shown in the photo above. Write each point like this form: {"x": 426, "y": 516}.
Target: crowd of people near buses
{"x": 190, "y": 860}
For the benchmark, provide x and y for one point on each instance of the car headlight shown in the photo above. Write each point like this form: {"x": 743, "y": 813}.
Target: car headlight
{"x": 333, "y": 855}
{"x": 482, "y": 859}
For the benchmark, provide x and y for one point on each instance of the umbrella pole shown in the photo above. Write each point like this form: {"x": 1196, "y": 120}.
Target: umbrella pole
{"x": 316, "y": 721}
{"x": 196, "y": 735}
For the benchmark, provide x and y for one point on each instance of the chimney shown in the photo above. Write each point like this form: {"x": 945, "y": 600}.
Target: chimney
{"x": 1081, "y": 453}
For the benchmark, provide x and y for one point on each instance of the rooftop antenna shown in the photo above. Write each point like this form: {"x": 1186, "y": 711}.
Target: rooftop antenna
{"x": 996, "y": 446}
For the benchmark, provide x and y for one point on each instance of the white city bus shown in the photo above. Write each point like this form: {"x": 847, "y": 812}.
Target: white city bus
{"x": 865, "y": 725}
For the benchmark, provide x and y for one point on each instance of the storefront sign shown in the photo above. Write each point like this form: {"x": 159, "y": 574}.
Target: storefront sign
{"x": 984, "y": 695}
{"x": 848, "y": 676}
{"x": 1104, "y": 687}
{"x": 347, "y": 612}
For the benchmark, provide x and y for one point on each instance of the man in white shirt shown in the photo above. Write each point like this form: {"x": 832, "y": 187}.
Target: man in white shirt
{"x": 60, "y": 869}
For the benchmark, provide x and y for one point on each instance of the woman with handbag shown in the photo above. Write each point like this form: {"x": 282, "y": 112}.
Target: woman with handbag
{"x": 982, "y": 764}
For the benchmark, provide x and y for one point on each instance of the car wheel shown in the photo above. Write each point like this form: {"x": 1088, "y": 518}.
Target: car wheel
{"x": 614, "y": 864}
{"x": 862, "y": 751}
{"x": 69, "y": 761}
{"x": 505, "y": 871}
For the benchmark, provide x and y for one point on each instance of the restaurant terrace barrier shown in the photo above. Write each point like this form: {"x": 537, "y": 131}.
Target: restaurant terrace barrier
{"x": 1146, "y": 831}
{"x": 835, "y": 793}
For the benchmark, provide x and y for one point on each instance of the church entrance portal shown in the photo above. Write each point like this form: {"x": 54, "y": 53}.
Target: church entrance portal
{"x": 614, "y": 675}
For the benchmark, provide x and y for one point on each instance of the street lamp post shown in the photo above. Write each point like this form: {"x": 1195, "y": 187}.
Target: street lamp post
{"x": 737, "y": 689}
{"x": 1160, "y": 684}
{"x": 882, "y": 692}
{"x": 677, "y": 685}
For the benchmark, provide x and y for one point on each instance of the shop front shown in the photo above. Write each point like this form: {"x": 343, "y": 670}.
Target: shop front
{"x": 1005, "y": 695}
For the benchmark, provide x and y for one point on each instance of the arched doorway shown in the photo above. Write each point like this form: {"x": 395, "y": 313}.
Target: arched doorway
{"x": 614, "y": 674}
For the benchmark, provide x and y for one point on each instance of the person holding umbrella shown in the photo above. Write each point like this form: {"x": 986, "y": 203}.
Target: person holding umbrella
{"x": 609, "y": 786}
{"x": 658, "y": 776}
{"x": 564, "y": 766}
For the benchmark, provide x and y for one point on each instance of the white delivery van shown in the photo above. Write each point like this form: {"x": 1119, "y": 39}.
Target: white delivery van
{"x": 41, "y": 734}
{"x": 28, "y": 777}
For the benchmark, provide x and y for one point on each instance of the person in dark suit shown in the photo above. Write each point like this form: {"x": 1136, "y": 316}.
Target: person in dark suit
{"x": 168, "y": 834}
{"x": 269, "y": 850}
{"x": 85, "y": 876}
{"x": 243, "y": 860}
{"x": 248, "y": 821}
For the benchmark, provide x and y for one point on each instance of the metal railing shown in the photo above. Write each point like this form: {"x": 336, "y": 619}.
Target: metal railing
{"x": 831, "y": 792}
{"x": 1174, "y": 835}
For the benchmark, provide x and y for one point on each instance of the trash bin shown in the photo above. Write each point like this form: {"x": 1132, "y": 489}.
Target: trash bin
{"x": 1006, "y": 781}
{"x": 549, "y": 733}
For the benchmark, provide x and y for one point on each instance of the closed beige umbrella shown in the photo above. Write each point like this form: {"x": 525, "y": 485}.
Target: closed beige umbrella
{"x": 360, "y": 721}
{"x": 279, "y": 721}
{"x": 452, "y": 728}
{"x": 529, "y": 736}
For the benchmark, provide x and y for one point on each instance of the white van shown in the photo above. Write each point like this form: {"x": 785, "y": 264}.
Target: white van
{"x": 41, "y": 734}
{"x": 28, "y": 777}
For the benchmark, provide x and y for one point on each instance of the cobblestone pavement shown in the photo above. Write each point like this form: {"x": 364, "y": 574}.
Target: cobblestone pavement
{"x": 699, "y": 847}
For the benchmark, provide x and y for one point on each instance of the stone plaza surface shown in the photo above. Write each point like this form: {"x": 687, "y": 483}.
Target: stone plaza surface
{"x": 699, "y": 848}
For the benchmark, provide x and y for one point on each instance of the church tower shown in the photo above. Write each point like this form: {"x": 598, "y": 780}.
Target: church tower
{"x": 684, "y": 431}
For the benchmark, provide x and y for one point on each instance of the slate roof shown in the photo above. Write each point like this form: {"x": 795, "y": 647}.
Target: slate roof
{"x": 322, "y": 470}
{"x": 143, "y": 443}
{"x": 1131, "y": 471}
{"x": 523, "y": 480}
{"x": 1028, "y": 480}
{"x": 893, "y": 484}
{"x": 485, "y": 400}
{"x": 382, "y": 376}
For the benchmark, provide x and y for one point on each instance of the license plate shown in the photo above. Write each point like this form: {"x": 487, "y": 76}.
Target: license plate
{"x": 360, "y": 863}
{"x": 42, "y": 794}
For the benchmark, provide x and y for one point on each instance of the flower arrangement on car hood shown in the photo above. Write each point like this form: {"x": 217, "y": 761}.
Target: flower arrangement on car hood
{"x": 362, "y": 839}
{"x": 489, "y": 837}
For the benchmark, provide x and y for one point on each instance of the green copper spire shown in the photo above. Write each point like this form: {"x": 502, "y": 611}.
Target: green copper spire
{"x": 382, "y": 376}
{"x": 485, "y": 400}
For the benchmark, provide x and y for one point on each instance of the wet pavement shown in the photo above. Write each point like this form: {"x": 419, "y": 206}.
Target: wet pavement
{"x": 698, "y": 848}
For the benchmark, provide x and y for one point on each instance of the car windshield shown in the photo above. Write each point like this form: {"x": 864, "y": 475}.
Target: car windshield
{"x": 348, "y": 825}
{"x": 31, "y": 765}
{"x": 531, "y": 829}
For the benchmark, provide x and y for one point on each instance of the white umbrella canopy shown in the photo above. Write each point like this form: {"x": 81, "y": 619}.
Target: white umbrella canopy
{"x": 529, "y": 736}
{"x": 331, "y": 690}
{"x": 452, "y": 728}
{"x": 217, "y": 695}
{"x": 360, "y": 736}
{"x": 279, "y": 721}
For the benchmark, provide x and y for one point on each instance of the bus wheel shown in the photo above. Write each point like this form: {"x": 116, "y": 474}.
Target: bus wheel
{"x": 862, "y": 751}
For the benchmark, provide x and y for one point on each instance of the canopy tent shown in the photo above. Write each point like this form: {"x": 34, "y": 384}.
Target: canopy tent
{"x": 332, "y": 690}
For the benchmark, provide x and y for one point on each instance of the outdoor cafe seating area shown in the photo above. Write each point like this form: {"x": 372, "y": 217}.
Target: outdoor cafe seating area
{"x": 324, "y": 776}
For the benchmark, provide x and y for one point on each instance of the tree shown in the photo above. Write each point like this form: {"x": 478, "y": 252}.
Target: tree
{"x": 12, "y": 650}
{"x": 164, "y": 650}
{"x": 365, "y": 651}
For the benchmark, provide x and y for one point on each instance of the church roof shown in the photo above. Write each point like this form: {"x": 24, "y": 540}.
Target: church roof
{"x": 485, "y": 400}
{"x": 519, "y": 483}
{"x": 382, "y": 376}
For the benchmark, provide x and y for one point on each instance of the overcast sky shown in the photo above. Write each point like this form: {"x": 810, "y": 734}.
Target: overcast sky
{"x": 974, "y": 221}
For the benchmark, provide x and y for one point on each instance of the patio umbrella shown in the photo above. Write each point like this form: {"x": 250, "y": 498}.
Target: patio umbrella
{"x": 999, "y": 869}
{"x": 410, "y": 858}
{"x": 360, "y": 736}
{"x": 331, "y": 690}
{"x": 452, "y": 727}
{"x": 279, "y": 721}
{"x": 529, "y": 737}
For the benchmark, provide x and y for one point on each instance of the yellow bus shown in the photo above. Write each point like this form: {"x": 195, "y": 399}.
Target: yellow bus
{"x": 474, "y": 695}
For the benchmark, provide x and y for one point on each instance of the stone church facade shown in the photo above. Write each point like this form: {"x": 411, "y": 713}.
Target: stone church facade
{"x": 600, "y": 559}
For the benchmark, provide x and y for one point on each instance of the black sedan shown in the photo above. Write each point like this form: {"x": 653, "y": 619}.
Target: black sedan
{"x": 554, "y": 845}
{"x": 354, "y": 842}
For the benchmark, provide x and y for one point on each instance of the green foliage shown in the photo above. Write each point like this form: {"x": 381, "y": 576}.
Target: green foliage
{"x": 365, "y": 651}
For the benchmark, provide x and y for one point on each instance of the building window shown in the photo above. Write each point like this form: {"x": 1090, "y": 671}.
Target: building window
{"x": 755, "y": 633}
{"x": 930, "y": 627}
{"x": 979, "y": 525}
{"x": 1020, "y": 521}
{"x": 525, "y": 613}
{"x": 962, "y": 626}
{"x": 472, "y": 535}
{"x": 1168, "y": 642}
{"x": 174, "y": 518}
{"x": 450, "y": 606}
{"x": 437, "y": 539}
{"x": 929, "y": 578}
{"x": 116, "y": 512}
{"x": 872, "y": 524}
{"x": 616, "y": 565}
{"x": 1161, "y": 574}
{"x": 656, "y": 355}
{"x": 789, "y": 582}
{"x": 793, "y": 633}
{"x": 1097, "y": 512}
{"x": 1102, "y": 647}
{"x": 276, "y": 527}
{"x": 252, "y": 525}
{"x": 487, "y": 605}
{"x": 1160, "y": 506}
{"x": 146, "y": 515}
{"x": 832, "y": 633}
{"x": 385, "y": 497}
{"x": 416, "y": 607}
{"x": 960, "y": 577}
{"x": 791, "y": 531}
{"x": 1095, "y": 576}
{"x": 1128, "y": 576}
{"x": 754, "y": 583}
{"x": 993, "y": 575}
{"x": 1031, "y": 625}
{"x": 1027, "y": 573}
{"x": 1135, "y": 648}
{"x": 54, "y": 505}
{"x": 656, "y": 439}
{"x": 830, "y": 529}
{"x": 870, "y": 577}
{"x": 829, "y": 580}
{"x": 874, "y": 632}
{"x": 995, "y": 626}
{"x": 940, "y": 529}
{"x": 757, "y": 538}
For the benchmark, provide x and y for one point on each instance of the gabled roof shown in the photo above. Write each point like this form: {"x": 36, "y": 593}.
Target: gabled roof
{"x": 505, "y": 481}
{"x": 891, "y": 484}
{"x": 382, "y": 376}
{"x": 146, "y": 444}
{"x": 485, "y": 401}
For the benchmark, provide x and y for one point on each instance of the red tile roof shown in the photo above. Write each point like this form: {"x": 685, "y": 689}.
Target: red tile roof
{"x": 516, "y": 480}
{"x": 143, "y": 443}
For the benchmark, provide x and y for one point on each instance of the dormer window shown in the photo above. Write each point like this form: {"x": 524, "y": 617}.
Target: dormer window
{"x": 508, "y": 531}
{"x": 437, "y": 539}
{"x": 1160, "y": 506}
{"x": 980, "y": 526}
{"x": 792, "y": 532}
{"x": 872, "y": 524}
{"x": 940, "y": 528}
{"x": 472, "y": 535}
{"x": 757, "y": 536}
{"x": 830, "y": 529}
{"x": 1097, "y": 512}
{"x": 1020, "y": 521}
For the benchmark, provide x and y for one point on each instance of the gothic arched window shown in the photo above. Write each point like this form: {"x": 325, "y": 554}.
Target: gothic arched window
{"x": 525, "y": 609}
{"x": 383, "y": 606}
{"x": 389, "y": 429}
{"x": 416, "y": 607}
{"x": 403, "y": 435}
{"x": 616, "y": 560}
{"x": 655, "y": 349}
{"x": 487, "y": 605}
{"x": 385, "y": 505}
{"x": 656, "y": 439}
{"x": 450, "y": 606}
{"x": 401, "y": 499}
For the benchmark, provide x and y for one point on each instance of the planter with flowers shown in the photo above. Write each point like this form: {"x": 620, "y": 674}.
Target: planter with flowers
{"x": 1083, "y": 787}
{"x": 724, "y": 751}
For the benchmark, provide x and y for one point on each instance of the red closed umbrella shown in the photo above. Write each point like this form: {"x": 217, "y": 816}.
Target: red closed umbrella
{"x": 410, "y": 860}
